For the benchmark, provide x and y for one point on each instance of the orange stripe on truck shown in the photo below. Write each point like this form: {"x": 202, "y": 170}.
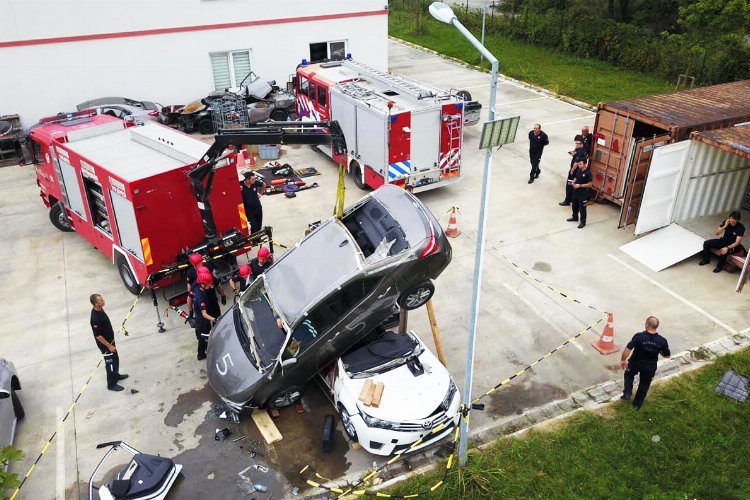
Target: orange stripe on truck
{"x": 146, "y": 251}
{"x": 243, "y": 215}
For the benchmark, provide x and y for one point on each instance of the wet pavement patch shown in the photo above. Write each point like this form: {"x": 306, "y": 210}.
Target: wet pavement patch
{"x": 514, "y": 399}
{"x": 186, "y": 404}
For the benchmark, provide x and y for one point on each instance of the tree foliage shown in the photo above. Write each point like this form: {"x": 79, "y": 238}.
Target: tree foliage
{"x": 8, "y": 481}
{"x": 701, "y": 38}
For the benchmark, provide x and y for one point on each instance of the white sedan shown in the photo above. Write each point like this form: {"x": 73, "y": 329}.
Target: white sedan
{"x": 418, "y": 395}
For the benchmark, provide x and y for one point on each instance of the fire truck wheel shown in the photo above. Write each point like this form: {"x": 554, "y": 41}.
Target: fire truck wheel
{"x": 206, "y": 126}
{"x": 416, "y": 295}
{"x": 464, "y": 94}
{"x": 59, "y": 218}
{"x": 279, "y": 115}
{"x": 356, "y": 171}
{"x": 127, "y": 276}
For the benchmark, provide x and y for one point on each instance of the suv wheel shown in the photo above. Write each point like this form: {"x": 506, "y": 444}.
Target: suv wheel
{"x": 286, "y": 398}
{"x": 416, "y": 295}
{"x": 346, "y": 422}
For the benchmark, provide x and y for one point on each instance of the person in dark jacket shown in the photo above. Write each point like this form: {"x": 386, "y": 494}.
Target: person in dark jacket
{"x": 581, "y": 185}
{"x": 588, "y": 139}
{"x": 537, "y": 141}
{"x": 728, "y": 244}
{"x": 646, "y": 347}
{"x": 105, "y": 341}
{"x": 578, "y": 154}
{"x": 252, "y": 189}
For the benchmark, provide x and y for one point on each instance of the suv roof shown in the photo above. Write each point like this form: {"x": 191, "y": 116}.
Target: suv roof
{"x": 300, "y": 269}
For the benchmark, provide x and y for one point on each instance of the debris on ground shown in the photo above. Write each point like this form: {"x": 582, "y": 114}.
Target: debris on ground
{"x": 222, "y": 434}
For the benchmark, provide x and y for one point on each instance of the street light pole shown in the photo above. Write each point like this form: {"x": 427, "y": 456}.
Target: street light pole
{"x": 444, "y": 13}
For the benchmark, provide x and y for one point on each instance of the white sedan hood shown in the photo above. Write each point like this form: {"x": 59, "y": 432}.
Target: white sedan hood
{"x": 405, "y": 397}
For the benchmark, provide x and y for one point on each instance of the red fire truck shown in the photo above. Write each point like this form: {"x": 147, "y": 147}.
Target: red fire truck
{"x": 148, "y": 196}
{"x": 398, "y": 131}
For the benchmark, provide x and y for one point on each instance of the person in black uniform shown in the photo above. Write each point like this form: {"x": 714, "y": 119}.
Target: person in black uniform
{"x": 646, "y": 347}
{"x": 588, "y": 139}
{"x": 105, "y": 341}
{"x": 727, "y": 244}
{"x": 537, "y": 141}
{"x": 578, "y": 154}
{"x": 252, "y": 189}
{"x": 581, "y": 192}
{"x": 203, "y": 319}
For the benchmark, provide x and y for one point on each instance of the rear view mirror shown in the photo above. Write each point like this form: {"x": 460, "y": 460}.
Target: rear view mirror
{"x": 6, "y": 394}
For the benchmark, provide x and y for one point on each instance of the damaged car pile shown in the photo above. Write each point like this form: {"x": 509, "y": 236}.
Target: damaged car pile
{"x": 324, "y": 307}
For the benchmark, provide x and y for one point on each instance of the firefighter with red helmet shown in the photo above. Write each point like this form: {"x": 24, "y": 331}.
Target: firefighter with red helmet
{"x": 261, "y": 263}
{"x": 203, "y": 320}
{"x": 196, "y": 261}
{"x": 241, "y": 280}
{"x": 213, "y": 299}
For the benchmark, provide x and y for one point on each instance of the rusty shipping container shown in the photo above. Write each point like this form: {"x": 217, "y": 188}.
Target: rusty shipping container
{"x": 626, "y": 132}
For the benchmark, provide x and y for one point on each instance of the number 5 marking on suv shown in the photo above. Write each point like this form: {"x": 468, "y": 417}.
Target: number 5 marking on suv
{"x": 224, "y": 360}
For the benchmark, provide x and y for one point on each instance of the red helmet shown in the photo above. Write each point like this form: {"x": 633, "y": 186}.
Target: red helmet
{"x": 263, "y": 253}
{"x": 244, "y": 271}
{"x": 205, "y": 279}
{"x": 204, "y": 270}
{"x": 195, "y": 259}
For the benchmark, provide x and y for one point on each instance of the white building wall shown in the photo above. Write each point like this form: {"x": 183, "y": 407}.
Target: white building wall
{"x": 41, "y": 79}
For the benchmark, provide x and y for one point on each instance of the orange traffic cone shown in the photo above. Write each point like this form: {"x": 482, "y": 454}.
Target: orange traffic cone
{"x": 452, "y": 229}
{"x": 250, "y": 156}
{"x": 606, "y": 343}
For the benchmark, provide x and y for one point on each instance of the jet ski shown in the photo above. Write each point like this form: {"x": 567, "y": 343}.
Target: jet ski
{"x": 144, "y": 477}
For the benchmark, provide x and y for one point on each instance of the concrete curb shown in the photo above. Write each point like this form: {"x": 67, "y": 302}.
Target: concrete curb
{"x": 520, "y": 83}
{"x": 591, "y": 398}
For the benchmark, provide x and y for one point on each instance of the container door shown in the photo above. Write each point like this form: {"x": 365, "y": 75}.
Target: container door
{"x": 425, "y": 140}
{"x": 609, "y": 156}
{"x": 72, "y": 188}
{"x": 127, "y": 227}
{"x": 636, "y": 177}
{"x": 661, "y": 186}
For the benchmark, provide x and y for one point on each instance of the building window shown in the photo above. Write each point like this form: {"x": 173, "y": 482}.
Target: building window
{"x": 327, "y": 51}
{"x": 230, "y": 68}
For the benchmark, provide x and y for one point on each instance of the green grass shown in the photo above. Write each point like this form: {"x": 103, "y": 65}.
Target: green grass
{"x": 703, "y": 450}
{"x": 587, "y": 80}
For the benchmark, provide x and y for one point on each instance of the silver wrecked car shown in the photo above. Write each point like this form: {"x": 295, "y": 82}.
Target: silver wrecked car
{"x": 11, "y": 409}
{"x": 328, "y": 292}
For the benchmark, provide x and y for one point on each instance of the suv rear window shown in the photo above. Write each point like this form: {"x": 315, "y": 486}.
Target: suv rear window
{"x": 376, "y": 232}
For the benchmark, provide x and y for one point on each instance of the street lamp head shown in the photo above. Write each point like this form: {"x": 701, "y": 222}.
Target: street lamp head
{"x": 442, "y": 12}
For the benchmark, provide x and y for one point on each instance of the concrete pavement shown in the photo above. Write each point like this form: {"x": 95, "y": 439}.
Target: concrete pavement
{"x": 47, "y": 277}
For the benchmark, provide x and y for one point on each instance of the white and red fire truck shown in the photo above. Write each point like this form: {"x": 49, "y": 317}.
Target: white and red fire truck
{"x": 126, "y": 189}
{"x": 148, "y": 196}
{"x": 398, "y": 131}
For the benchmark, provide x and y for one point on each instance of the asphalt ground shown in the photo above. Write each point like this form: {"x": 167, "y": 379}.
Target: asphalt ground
{"x": 48, "y": 276}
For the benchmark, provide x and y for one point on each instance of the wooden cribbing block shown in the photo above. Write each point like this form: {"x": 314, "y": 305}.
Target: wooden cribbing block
{"x": 365, "y": 395}
{"x": 377, "y": 394}
{"x": 266, "y": 427}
